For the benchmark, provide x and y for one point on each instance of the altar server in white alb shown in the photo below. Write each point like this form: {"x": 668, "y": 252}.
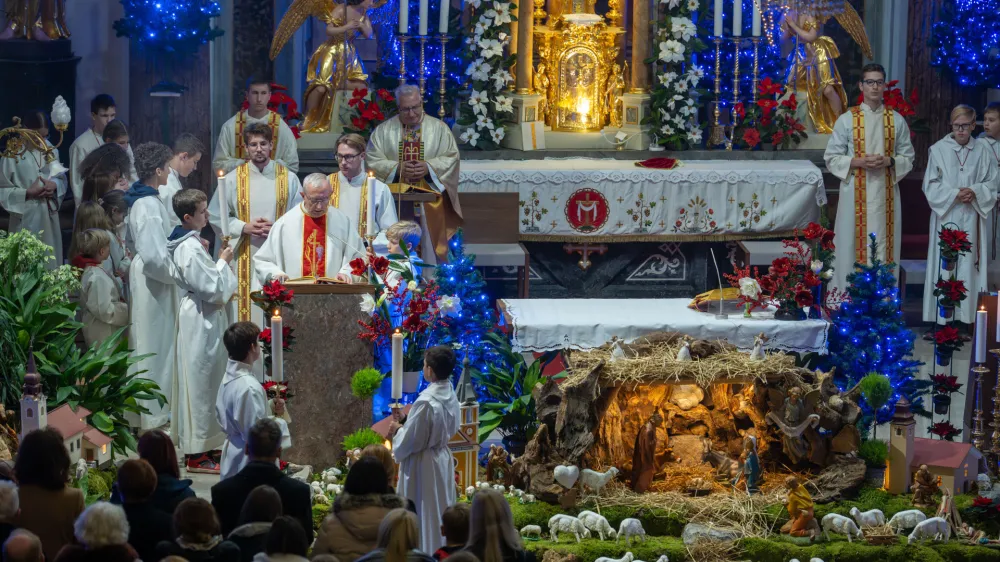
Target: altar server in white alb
{"x": 232, "y": 149}
{"x": 241, "y": 400}
{"x": 31, "y": 189}
{"x": 420, "y": 446}
{"x": 205, "y": 286}
{"x": 351, "y": 191}
{"x": 313, "y": 240}
{"x": 870, "y": 151}
{"x": 102, "y": 311}
{"x": 961, "y": 188}
{"x": 102, "y": 112}
{"x": 152, "y": 278}
{"x": 187, "y": 154}
{"x": 257, "y": 193}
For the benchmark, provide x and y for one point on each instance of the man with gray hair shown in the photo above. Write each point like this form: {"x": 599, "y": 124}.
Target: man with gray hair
{"x": 9, "y": 508}
{"x": 22, "y": 546}
{"x": 416, "y": 152}
{"x": 313, "y": 241}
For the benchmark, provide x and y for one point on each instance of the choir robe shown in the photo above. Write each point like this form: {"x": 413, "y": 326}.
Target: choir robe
{"x": 945, "y": 174}
{"x": 33, "y": 215}
{"x": 993, "y": 146}
{"x": 102, "y": 310}
{"x": 426, "y": 468}
{"x": 205, "y": 286}
{"x": 347, "y": 194}
{"x": 263, "y": 203}
{"x": 839, "y": 152}
{"x": 118, "y": 263}
{"x": 152, "y": 282}
{"x": 284, "y": 252}
{"x": 166, "y": 194}
{"x": 84, "y": 144}
{"x": 286, "y": 151}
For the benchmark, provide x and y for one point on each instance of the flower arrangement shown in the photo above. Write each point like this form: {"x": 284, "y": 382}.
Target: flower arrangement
{"x": 945, "y": 430}
{"x": 282, "y": 104}
{"x": 367, "y": 109}
{"x": 751, "y": 295}
{"x": 674, "y": 113}
{"x": 946, "y": 384}
{"x": 821, "y": 248}
{"x": 768, "y": 120}
{"x": 952, "y": 243}
{"x": 947, "y": 341}
{"x": 275, "y": 390}
{"x": 489, "y": 107}
{"x": 273, "y": 296}
{"x": 950, "y": 292}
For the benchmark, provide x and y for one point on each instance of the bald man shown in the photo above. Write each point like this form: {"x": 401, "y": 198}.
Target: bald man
{"x": 23, "y": 546}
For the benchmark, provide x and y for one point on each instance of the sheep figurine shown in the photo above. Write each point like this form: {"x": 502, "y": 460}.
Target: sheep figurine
{"x": 316, "y": 487}
{"x": 331, "y": 475}
{"x": 935, "y": 528}
{"x": 483, "y": 485}
{"x": 81, "y": 469}
{"x": 500, "y": 488}
{"x": 320, "y": 499}
{"x": 597, "y": 524}
{"x": 527, "y": 498}
{"x": 562, "y": 523}
{"x": 840, "y": 524}
{"x": 597, "y": 480}
{"x": 629, "y": 557}
{"x": 470, "y": 491}
{"x": 531, "y": 531}
{"x": 331, "y": 488}
{"x": 906, "y": 519}
{"x": 630, "y": 528}
{"x": 870, "y": 518}
{"x": 663, "y": 558}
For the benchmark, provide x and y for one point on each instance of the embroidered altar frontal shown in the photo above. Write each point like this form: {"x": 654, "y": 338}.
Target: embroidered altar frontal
{"x": 591, "y": 200}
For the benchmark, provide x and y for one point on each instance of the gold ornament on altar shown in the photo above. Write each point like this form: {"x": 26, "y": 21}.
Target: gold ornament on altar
{"x": 17, "y": 140}
{"x": 41, "y": 20}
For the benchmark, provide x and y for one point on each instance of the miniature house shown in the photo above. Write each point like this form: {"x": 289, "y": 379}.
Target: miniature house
{"x": 71, "y": 426}
{"x": 34, "y": 414}
{"x": 96, "y": 447}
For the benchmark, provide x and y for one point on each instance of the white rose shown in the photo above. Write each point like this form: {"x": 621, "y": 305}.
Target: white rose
{"x": 367, "y": 303}
{"x": 816, "y": 266}
{"x": 749, "y": 287}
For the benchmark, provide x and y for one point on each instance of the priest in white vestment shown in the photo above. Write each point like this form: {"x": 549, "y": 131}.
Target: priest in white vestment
{"x": 961, "y": 188}
{"x": 991, "y": 136}
{"x": 420, "y": 446}
{"x": 187, "y": 154}
{"x": 102, "y": 112}
{"x": 313, "y": 240}
{"x": 31, "y": 189}
{"x": 231, "y": 150}
{"x": 152, "y": 279}
{"x": 870, "y": 151}
{"x": 429, "y": 162}
{"x": 350, "y": 191}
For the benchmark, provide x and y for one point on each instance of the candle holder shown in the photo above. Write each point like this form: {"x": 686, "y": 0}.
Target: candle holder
{"x": 978, "y": 432}
{"x": 402, "y": 58}
{"x": 423, "y": 72}
{"x": 756, "y": 66}
{"x": 444, "y": 77}
{"x": 736, "y": 92}
{"x": 715, "y": 134}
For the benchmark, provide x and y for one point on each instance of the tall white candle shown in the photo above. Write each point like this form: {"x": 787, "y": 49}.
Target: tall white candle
{"x": 718, "y": 18}
{"x": 397, "y": 365}
{"x": 424, "y": 8}
{"x": 443, "y": 17}
{"x": 737, "y": 18}
{"x": 404, "y": 19}
{"x": 277, "y": 348}
{"x": 756, "y": 18}
{"x": 981, "y": 335}
{"x": 372, "y": 229}
{"x": 223, "y": 204}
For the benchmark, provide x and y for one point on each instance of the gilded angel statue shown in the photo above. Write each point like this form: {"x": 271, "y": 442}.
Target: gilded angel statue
{"x": 812, "y": 64}
{"x": 40, "y": 20}
{"x": 335, "y": 65}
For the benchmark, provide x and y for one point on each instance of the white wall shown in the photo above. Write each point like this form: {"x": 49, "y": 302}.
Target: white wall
{"x": 104, "y": 59}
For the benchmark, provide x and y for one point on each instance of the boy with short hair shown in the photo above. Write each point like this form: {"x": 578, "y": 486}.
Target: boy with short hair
{"x": 102, "y": 310}
{"x": 455, "y": 529}
{"x": 206, "y": 286}
{"x": 102, "y": 112}
{"x": 187, "y": 153}
{"x": 403, "y": 233}
{"x": 991, "y": 129}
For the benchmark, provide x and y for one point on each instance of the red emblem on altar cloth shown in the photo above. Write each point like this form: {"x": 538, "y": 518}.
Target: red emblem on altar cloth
{"x": 587, "y": 210}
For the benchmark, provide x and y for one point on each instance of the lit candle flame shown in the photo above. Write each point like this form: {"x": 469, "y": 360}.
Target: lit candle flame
{"x": 221, "y": 173}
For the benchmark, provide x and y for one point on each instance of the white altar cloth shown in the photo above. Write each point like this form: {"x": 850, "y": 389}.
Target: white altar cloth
{"x": 601, "y": 200}
{"x": 582, "y": 324}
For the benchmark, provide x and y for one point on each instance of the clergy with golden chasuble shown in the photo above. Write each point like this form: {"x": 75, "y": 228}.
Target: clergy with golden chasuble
{"x": 354, "y": 191}
{"x": 416, "y": 152}
{"x": 313, "y": 241}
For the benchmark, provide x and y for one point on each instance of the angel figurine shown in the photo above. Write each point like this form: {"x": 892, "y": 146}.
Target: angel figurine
{"x": 335, "y": 65}
{"x": 812, "y": 66}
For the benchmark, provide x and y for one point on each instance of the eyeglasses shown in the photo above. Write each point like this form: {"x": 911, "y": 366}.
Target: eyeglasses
{"x": 873, "y": 83}
{"x": 347, "y": 157}
{"x": 414, "y": 109}
{"x": 962, "y": 127}
{"x": 317, "y": 201}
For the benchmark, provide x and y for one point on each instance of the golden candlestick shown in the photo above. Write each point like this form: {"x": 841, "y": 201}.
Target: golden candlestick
{"x": 614, "y": 15}
{"x": 539, "y": 14}
{"x": 715, "y": 135}
{"x": 444, "y": 77}
{"x": 756, "y": 67}
{"x": 736, "y": 92}
{"x": 402, "y": 58}
{"x": 423, "y": 73}
{"x": 978, "y": 431}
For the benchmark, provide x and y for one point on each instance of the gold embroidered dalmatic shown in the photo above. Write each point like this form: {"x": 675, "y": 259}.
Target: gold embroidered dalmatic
{"x": 861, "y": 187}
{"x": 244, "y": 267}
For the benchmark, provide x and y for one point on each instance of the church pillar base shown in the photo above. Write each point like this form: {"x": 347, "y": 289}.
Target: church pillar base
{"x": 528, "y": 131}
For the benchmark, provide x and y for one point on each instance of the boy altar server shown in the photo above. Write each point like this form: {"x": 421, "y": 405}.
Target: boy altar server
{"x": 102, "y": 112}
{"x": 187, "y": 153}
{"x": 206, "y": 285}
{"x": 232, "y": 149}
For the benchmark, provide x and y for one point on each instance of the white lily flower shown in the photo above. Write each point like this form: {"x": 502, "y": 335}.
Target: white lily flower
{"x": 694, "y": 136}
{"x": 667, "y": 130}
{"x": 450, "y": 305}
{"x": 497, "y": 134}
{"x": 504, "y": 104}
{"x": 693, "y": 5}
{"x": 682, "y": 28}
{"x": 477, "y": 101}
{"x": 672, "y": 51}
{"x": 490, "y": 48}
{"x": 681, "y": 86}
{"x": 484, "y": 121}
{"x": 367, "y": 303}
{"x": 503, "y": 12}
{"x": 500, "y": 79}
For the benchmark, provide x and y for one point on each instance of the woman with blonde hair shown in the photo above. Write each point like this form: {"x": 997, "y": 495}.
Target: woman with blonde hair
{"x": 398, "y": 539}
{"x": 960, "y": 184}
{"x": 492, "y": 535}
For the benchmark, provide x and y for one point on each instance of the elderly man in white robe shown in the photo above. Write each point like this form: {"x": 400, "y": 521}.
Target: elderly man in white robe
{"x": 960, "y": 185}
{"x": 870, "y": 151}
{"x": 420, "y": 446}
{"x": 416, "y": 152}
{"x": 31, "y": 189}
{"x": 232, "y": 150}
{"x": 350, "y": 191}
{"x": 314, "y": 241}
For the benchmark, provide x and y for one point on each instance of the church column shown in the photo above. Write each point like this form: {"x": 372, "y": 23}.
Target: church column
{"x": 640, "y": 46}
{"x": 527, "y": 131}
{"x": 525, "y": 30}
{"x": 886, "y": 25}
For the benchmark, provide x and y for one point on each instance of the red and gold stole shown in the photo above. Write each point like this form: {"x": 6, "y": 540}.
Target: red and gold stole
{"x": 861, "y": 184}
{"x": 244, "y": 265}
{"x": 273, "y": 120}
{"x": 362, "y": 222}
{"x": 314, "y": 247}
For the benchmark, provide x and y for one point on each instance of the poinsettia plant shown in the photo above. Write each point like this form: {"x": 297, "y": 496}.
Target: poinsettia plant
{"x": 945, "y": 384}
{"x": 768, "y": 120}
{"x": 950, "y": 292}
{"x": 953, "y": 243}
{"x": 274, "y": 295}
{"x": 367, "y": 109}
{"x": 948, "y": 340}
{"x": 282, "y": 104}
{"x": 945, "y": 430}
{"x": 905, "y": 106}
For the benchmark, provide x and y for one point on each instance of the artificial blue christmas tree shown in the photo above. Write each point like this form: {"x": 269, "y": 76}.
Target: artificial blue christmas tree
{"x": 966, "y": 42}
{"x": 869, "y": 335}
{"x": 172, "y": 27}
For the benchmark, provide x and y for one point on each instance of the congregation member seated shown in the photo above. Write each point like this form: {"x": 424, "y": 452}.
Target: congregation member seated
{"x": 286, "y": 542}
{"x": 148, "y": 525}
{"x": 262, "y": 507}
{"x": 101, "y": 532}
{"x": 9, "y": 507}
{"x": 23, "y": 546}
{"x": 490, "y": 519}
{"x": 455, "y": 529}
{"x": 48, "y": 505}
{"x": 156, "y": 448}
{"x": 398, "y": 539}
{"x": 384, "y": 456}
{"x": 199, "y": 536}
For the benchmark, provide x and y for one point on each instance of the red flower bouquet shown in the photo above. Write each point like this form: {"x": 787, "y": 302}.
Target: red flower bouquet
{"x": 768, "y": 120}
{"x": 367, "y": 109}
{"x": 945, "y": 431}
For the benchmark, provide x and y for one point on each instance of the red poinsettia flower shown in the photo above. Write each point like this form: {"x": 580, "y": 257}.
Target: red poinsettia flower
{"x": 982, "y": 502}
{"x": 359, "y": 93}
{"x": 803, "y": 297}
{"x": 741, "y": 111}
{"x": 265, "y": 337}
{"x": 951, "y": 289}
{"x": 276, "y": 291}
{"x": 953, "y": 241}
{"x": 385, "y": 95}
{"x": 945, "y": 384}
{"x": 947, "y": 335}
{"x": 791, "y": 103}
{"x": 358, "y": 267}
{"x": 777, "y": 137}
{"x": 359, "y": 123}
{"x": 768, "y": 87}
{"x": 767, "y": 105}
{"x": 945, "y": 430}
{"x": 751, "y": 137}
{"x": 380, "y": 265}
